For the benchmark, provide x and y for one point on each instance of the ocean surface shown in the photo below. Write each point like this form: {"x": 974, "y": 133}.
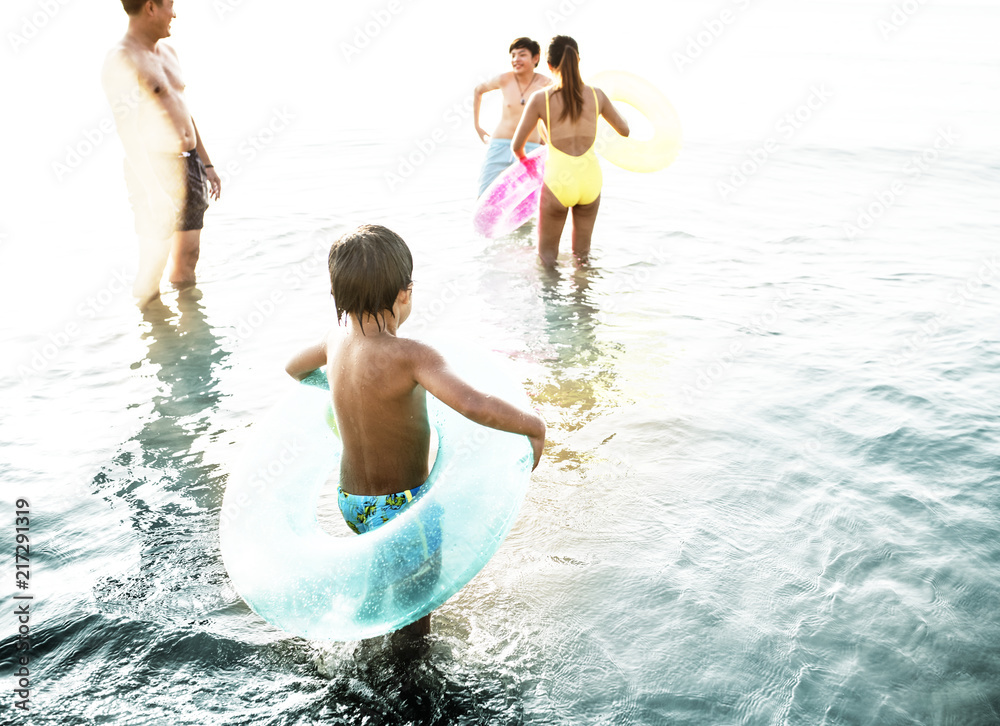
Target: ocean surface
{"x": 771, "y": 488}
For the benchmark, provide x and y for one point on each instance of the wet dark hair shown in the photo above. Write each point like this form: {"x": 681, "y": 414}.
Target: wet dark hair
{"x": 529, "y": 45}
{"x": 368, "y": 268}
{"x": 134, "y": 6}
{"x": 564, "y": 56}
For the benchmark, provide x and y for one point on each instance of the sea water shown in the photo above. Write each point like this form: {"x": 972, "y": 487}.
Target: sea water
{"x": 770, "y": 489}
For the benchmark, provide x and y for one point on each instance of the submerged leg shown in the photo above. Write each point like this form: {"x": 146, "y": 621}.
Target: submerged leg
{"x": 410, "y": 642}
{"x": 153, "y": 255}
{"x": 419, "y": 628}
{"x": 551, "y": 220}
{"x": 584, "y": 217}
{"x": 185, "y": 253}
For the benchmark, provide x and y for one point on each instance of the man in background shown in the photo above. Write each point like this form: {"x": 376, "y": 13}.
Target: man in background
{"x": 516, "y": 86}
{"x": 167, "y": 169}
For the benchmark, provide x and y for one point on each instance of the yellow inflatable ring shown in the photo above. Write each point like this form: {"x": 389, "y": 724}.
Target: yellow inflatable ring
{"x": 628, "y": 153}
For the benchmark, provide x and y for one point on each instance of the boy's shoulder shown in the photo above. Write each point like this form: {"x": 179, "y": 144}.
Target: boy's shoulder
{"x": 400, "y": 349}
{"x": 419, "y": 356}
{"x": 414, "y": 348}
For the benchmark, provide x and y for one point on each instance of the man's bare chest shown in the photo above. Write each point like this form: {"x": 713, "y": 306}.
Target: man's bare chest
{"x": 161, "y": 75}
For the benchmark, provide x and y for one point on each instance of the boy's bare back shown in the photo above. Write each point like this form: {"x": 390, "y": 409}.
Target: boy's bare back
{"x": 381, "y": 413}
{"x": 379, "y": 382}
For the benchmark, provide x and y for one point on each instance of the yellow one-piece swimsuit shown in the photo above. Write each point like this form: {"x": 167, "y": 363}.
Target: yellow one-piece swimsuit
{"x": 573, "y": 179}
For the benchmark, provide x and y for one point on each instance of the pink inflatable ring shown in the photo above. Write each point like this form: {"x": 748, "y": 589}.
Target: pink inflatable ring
{"x": 512, "y": 198}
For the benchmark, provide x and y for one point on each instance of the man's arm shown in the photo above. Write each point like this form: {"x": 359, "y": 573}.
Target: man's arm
{"x": 305, "y": 362}
{"x": 477, "y": 98}
{"x": 122, "y": 86}
{"x": 120, "y": 80}
{"x": 215, "y": 183}
{"x": 433, "y": 373}
{"x": 529, "y": 120}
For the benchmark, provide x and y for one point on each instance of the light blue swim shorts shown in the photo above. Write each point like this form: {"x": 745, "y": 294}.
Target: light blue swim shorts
{"x": 499, "y": 156}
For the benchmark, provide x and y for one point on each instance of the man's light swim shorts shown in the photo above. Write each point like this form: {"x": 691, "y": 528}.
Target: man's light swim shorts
{"x": 499, "y": 156}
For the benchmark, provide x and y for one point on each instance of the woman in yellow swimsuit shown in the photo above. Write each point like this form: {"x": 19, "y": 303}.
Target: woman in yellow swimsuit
{"x": 570, "y": 111}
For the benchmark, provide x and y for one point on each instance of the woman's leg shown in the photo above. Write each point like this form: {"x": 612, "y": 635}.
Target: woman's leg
{"x": 584, "y": 217}
{"x": 551, "y": 220}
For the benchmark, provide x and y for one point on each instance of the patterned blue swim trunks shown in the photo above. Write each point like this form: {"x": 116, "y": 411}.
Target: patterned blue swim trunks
{"x": 364, "y": 514}
{"x": 420, "y": 557}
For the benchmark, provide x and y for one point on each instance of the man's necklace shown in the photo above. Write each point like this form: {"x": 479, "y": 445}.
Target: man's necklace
{"x": 526, "y": 87}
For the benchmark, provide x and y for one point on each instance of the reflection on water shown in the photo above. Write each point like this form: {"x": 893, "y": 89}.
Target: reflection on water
{"x": 183, "y": 352}
{"x": 582, "y": 366}
{"x": 557, "y": 314}
{"x": 171, "y": 494}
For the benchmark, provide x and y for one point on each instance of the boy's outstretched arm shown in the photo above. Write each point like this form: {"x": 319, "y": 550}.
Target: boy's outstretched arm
{"x": 431, "y": 371}
{"x": 306, "y": 361}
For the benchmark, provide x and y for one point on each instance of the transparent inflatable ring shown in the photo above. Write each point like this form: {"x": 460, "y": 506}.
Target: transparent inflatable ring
{"x": 315, "y": 585}
{"x": 630, "y": 153}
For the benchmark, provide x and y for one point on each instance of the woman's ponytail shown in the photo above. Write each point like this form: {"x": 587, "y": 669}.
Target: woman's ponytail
{"x": 564, "y": 56}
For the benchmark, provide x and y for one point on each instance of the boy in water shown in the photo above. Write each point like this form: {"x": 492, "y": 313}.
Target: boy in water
{"x": 379, "y": 380}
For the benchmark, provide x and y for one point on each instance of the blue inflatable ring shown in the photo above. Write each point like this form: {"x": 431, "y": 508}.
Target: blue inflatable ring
{"x": 315, "y": 585}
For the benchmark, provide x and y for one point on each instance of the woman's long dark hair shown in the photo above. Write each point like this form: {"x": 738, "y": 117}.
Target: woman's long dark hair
{"x": 564, "y": 56}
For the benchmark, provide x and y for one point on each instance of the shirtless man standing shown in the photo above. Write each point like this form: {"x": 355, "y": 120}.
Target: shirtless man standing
{"x": 167, "y": 168}
{"x": 516, "y": 87}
